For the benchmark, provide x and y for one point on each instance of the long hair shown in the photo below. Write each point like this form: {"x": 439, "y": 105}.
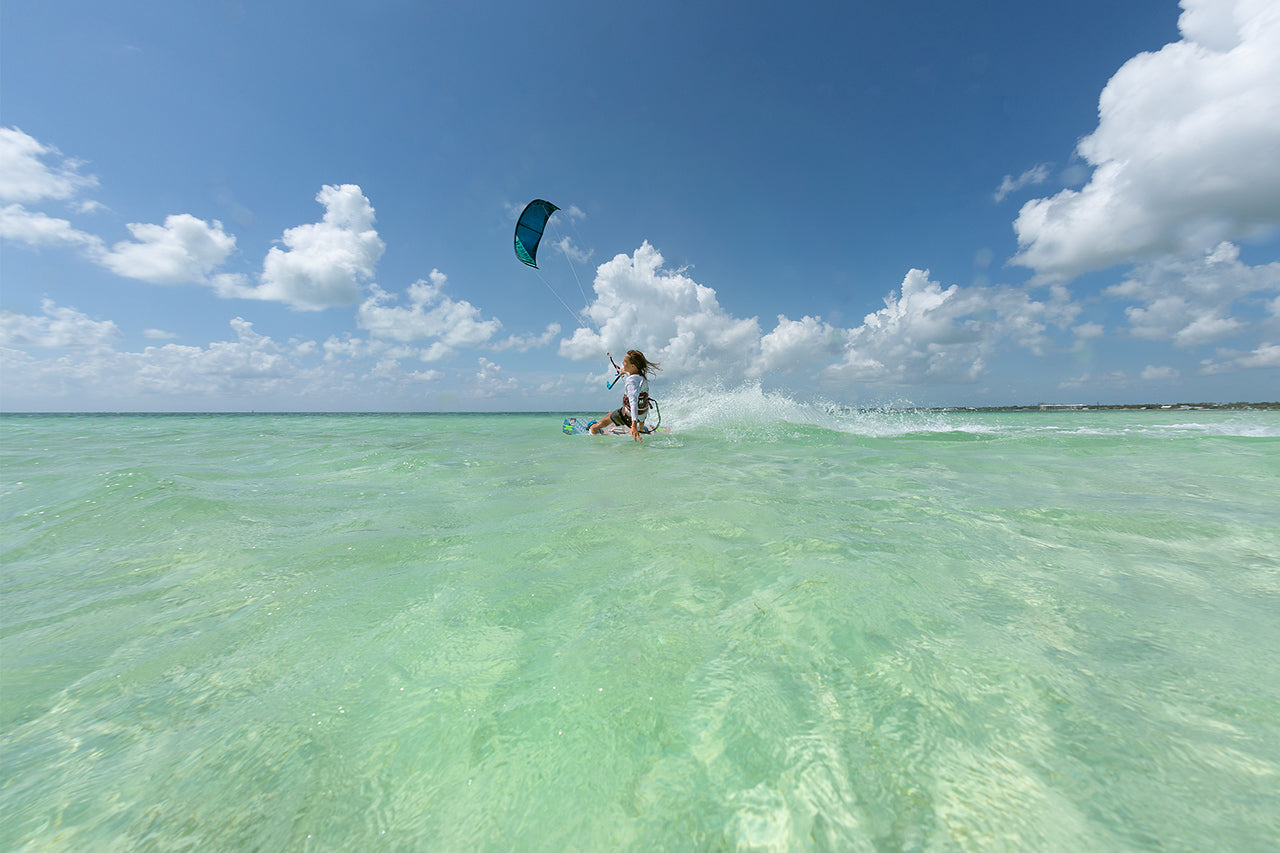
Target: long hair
{"x": 642, "y": 364}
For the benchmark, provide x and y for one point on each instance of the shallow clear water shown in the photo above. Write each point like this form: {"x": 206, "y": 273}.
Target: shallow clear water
{"x": 776, "y": 628}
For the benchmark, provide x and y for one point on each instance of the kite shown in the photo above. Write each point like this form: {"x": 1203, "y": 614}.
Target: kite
{"x": 529, "y": 230}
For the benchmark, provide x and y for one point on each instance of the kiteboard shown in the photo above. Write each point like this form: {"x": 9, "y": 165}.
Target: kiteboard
{"x": 582, "y": 426}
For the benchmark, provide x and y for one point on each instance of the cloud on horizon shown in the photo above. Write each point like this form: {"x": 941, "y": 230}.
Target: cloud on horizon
{"x": 925, "y": 334}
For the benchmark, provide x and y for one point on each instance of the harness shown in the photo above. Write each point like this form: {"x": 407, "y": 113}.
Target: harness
{"x": 646, "y": 403}
{"x": 642, "y": 404}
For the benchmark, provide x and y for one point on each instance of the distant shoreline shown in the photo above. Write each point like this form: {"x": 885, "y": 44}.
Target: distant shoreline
{"x": 1116, "y": 407}
{"x": 1038, "y": 407}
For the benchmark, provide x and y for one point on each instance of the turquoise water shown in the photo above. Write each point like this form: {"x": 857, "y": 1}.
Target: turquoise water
{"x": 776, "y": 628}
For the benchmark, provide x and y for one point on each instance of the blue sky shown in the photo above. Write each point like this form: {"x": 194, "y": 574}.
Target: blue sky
{"x": 309, "y": 206}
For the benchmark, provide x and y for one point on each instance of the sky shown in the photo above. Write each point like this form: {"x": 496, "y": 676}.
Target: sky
{"x": 309, "y": 206}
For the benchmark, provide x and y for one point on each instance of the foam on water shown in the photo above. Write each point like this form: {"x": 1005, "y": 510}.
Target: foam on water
{"x": 751, "y": 412}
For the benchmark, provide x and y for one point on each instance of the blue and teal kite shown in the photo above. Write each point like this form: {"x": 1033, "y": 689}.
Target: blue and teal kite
{"x": 529, "y": 230}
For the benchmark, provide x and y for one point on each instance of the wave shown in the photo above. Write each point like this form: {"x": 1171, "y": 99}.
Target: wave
{"x": 751, "y": 412}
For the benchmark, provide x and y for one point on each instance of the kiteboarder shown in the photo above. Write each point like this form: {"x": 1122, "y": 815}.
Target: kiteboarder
{"x": 635, "y": 395}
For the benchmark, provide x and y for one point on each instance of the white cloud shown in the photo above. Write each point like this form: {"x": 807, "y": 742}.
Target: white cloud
{"x": 38, "y": 229}
{"x": 566, "y": 247}
{"x": 108, "y": 378}
{"x": 676, "y": 321}
{"x": 1151, "y": 373}
{"x": 349, "y": 347}
{"x": 524, "y": 343}
{"x": 1191, "y": 302}
{"x": 251, "y": 356}
{"x": 797, "y": 344}
{"x": 250, "y": 370}
{"x": 423, "y": 377}
{"x": 925, "y": 334}
{"x": 1012, "y": 312}
{"x": 490, "y": 380}
{"x": 323, "y": 264}
{"x": 185, "y": 250}
{"x": 1213, "y": 24}
{"x": 26, "y": 177}
{"x": 57, "y": 328}
{"x": 1034, "y": 176}
{"x": 429, "y": 315}
{"x": 1228, "y": 361}
{"x": 1088, "y": 331}
{"x": 1184, "y": 152}
{"x": 1267, "y": 355}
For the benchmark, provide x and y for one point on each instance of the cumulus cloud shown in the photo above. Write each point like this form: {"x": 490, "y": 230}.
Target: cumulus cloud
{"x": 322, "y": 264}
{"x": 56, "y": 327}
{"x": 1228, "y": 361}
{"x": 1192, "y": 302}
{"x": 252, "y": 363}
{"x": 38, "y": 229}
{"x": 185, "y": 250}
{"x": 925, "y": 333}
{"x": 430, "y": 314}
{"x": 318, "y": 265}
{"x": 248, "y": 368}
{"x": 490, "y": 380}
{"x": 30, "y": 171}
{"x": 251, "y": 356}
{"x": 349, "y": 348}
{"x": 1183, "y": 155}
{"x": 797, "y": 344}
{"x": 640, "y": 304}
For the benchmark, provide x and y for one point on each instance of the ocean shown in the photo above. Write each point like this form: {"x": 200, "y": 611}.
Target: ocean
{"x": 783, "y": 626}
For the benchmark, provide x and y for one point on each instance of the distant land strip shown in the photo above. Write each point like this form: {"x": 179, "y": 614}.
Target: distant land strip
{"x": 1115, "y": 407}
